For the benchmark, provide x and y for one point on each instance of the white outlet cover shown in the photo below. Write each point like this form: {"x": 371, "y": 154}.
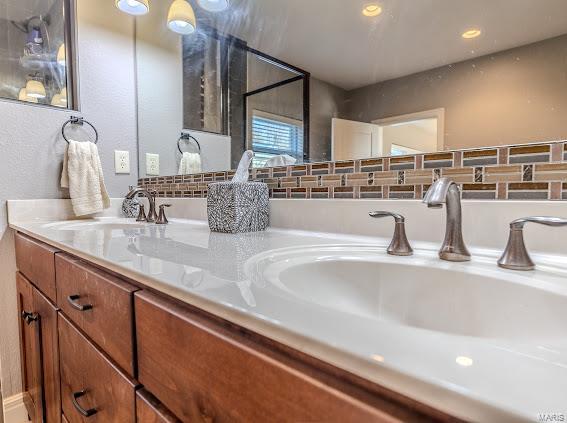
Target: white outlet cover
{"x": 152, "y": 164}
{"x": 121, "y": 161}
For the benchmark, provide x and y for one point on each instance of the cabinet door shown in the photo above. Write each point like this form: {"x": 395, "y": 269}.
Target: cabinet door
{"x": 49, "y": 352}
{"x": 30, "y": 333}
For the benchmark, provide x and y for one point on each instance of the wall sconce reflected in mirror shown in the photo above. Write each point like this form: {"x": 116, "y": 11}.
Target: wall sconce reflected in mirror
{"x": 58, "y": 101}
{"x": 181, "y": 18}
{"x": 214, "y": 5}
{"x": 23, "y": 96}
{"x": 35, "y": 89}
{"x": 61, "y": 55}
{"x": 133, "y": 7}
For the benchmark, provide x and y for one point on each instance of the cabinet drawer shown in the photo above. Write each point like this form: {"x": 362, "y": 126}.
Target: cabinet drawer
{"x": 100, "y": 305}
{"x": 36, "y": 261}
{"x": 202, "y": 372}
{"x": 90, "y": 384}
{"x": 150, "y": 410}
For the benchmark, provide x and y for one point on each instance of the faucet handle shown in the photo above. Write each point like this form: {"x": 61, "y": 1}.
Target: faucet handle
{"x": 141, "y": 214}
{"x": 515, "y": 256}
{"x": 400, "y": 245}
{"x": 162, "y": 219}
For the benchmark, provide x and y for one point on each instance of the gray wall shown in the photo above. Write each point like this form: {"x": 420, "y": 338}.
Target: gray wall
{"x": 326, "y": 103}
{"x": 32, "y": 149}
{"x": 511, "y": 97}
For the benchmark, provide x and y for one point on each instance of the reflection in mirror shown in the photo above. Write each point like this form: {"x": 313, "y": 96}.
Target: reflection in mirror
{"x": 325, "y": 80}
{"x": 35, "y": 47}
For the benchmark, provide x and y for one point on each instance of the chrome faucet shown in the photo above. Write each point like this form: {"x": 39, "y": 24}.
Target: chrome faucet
{"x": 446, "y": 191}
{"x": 151, "y": 196}
{"x": 516, "y": 257}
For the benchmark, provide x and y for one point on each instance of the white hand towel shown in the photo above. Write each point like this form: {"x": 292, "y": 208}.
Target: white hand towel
{"x": 190, "y": 163}
{"x": 82, "y": 174}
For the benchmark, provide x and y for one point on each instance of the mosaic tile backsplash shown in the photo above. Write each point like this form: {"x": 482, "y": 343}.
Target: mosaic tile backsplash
{"x": 523, "y": 172}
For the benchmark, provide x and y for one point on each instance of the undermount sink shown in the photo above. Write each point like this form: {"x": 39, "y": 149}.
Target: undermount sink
{"x": 475, "y": 299}
{"x": 96, "y": 224}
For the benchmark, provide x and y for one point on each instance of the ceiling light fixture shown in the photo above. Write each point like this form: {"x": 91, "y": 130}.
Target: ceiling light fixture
{"x": 471, "y": 33}
{"x": 133, "y": 7}
{"x": 214, "y": 5}
{"x": 181, "y": 18}
{"x": 35, "y": 89}
{"x": 61, "y": 55}
{"x": 371, "y": 10}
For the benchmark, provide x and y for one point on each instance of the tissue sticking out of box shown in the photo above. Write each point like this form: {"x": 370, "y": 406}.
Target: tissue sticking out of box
{"x": 242, "y": 174}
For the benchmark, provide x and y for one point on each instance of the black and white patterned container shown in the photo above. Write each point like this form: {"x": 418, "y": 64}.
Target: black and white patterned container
{"x": 234, "y": 207}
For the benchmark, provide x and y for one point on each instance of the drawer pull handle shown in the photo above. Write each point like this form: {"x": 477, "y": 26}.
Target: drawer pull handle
{"x": 72, "y": 299}
{"x": 29, "y": 318}
{"x": 86, "y": 413}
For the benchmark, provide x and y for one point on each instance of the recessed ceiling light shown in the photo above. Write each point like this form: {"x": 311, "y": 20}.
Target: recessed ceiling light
{"x": 371, "y": 10}
{"x": 471, "y": 33}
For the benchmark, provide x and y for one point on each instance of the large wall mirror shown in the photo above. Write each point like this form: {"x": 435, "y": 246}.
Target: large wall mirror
{"x": 36, "y": 51}
{"x": 321, "y": 80}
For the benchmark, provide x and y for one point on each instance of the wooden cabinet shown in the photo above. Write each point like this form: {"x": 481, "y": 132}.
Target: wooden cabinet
{"x": 40, "y": 352}
{"x": 202, "y": 372}
{"x": 29, "y": 349}
{"x": 80, "y": 356}
{"x": 150, "y": 410}
{"x": 101, "y": 305}
{"x": 49, "y": 356}
{"x": 36, "y": 261}
{"x": 93, "y": 389}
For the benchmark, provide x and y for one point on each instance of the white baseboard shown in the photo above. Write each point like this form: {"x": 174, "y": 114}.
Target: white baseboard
{"x": 15, "y": 409}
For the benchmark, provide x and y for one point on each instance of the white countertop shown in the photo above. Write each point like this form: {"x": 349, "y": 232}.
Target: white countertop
{"x": 510, "y": 380}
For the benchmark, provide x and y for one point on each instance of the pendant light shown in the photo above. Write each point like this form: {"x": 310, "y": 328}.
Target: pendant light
{"x": 133, "y": 7}
{"x": 181, "y": 17}
{"x": 35, "y": 89}
{"x": 23, "y": 96}
{"x": 214, "y": 5}
{"x": 61, "y": 55}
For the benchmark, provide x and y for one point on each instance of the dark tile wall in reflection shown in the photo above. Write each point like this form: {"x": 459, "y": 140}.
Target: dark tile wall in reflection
{"x": 525, "y": 172}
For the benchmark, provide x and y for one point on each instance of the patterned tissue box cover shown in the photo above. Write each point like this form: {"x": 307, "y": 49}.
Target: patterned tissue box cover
{"x": 234, "y": 207}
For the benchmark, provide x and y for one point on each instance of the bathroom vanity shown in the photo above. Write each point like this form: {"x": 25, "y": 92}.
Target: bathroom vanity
{"x": 128, "y": 321}
{"x": 101, "y": 347}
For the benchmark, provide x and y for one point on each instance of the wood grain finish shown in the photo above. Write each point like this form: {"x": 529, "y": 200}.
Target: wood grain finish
{"x": 30, "y": 351}
{"x": 150, "y": 410}
{"x": 203, "y": 372}
{"x": 84, "y": 367}
{"x": 36, "y": 261}
{"x": 49, "y": 356}
{"x": 109, "y": 323}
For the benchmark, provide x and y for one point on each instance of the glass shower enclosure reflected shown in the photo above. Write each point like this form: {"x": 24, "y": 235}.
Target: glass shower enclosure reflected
{"x": 35, "y": 47}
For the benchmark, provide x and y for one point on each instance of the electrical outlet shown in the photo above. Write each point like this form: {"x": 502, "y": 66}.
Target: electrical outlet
{"x": 152, "y": 164}
{"x": 121, "y": 161}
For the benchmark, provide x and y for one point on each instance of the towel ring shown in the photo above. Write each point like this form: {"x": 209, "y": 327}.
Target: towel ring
{"x": 187, "y": 137}
{"x": 78, "y": 121}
